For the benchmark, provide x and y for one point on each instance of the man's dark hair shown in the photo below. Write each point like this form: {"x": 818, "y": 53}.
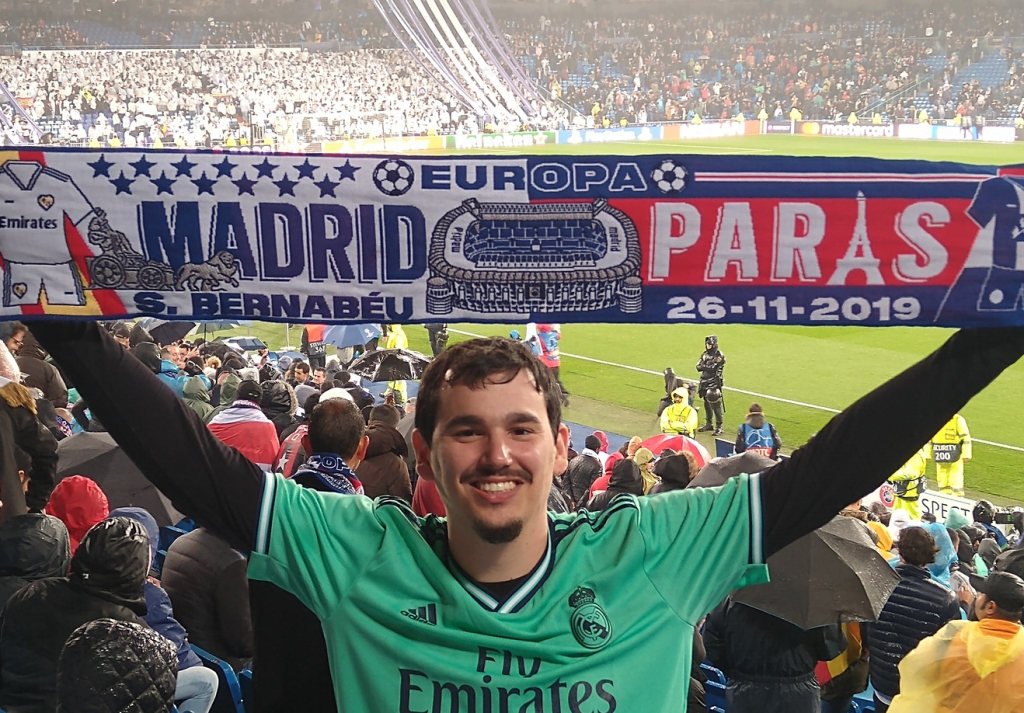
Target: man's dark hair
{"x": 385, "y": 413}
{"x": 917, "y": 546}
{"x": 312, "y": 401}
{"x": 320, "y": 370}
{"x": 475, "y": 363}
{"x": 927, "y": 517}
{"x": 302, "y": 366}
{"x": 343, "y": 378}
{"x": 336, "y": 426}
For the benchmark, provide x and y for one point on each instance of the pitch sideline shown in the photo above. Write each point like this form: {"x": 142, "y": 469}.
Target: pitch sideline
{"x": 739, "y": 391}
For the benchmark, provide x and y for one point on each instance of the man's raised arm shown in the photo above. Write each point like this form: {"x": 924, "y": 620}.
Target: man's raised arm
{"x": 869, "y": 441}
{"x": 204, "y": 478}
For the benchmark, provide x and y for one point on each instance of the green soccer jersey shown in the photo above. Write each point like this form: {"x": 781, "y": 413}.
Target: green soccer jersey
{"x": 604, "y": 622}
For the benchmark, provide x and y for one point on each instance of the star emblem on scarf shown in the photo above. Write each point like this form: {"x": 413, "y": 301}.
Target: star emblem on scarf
{"x": 100, "y": 167}
{"x": 163, "y": 184}
{"x": 142, "y": 166}
{"x": 123, "y": 184}
{"x": 346, "y": 171}
{"x": 245, "y": 184}
{"x": 204, "y": 184}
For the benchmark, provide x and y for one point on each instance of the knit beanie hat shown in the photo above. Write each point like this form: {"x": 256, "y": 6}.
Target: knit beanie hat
{"x": 249, "y": 390}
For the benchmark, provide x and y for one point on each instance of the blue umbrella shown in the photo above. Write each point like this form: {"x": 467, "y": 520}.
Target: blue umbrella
{"x": 351, "y": 335}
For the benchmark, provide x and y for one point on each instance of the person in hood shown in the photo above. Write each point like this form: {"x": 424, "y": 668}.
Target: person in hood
{"x": 383, "y": 470}
{"x": 139, "y": 335}
{"x": 205, "y": 579}
{"x": 244, "y": 426}
{"x": 197, "y": 397}
{"x": 672, "y": 383}
{"x": 92, "y": 670}
{"x": 644, "y": 458}
{"x": 223, "y": 393}
{"x": 32, "y": 546}
{"x": 676, "y": 472}
{"x": 40, "y": 374}
{"x": 108, "y": 573}
{"x": 680, "y": 417}
{"x": 79, "y": 503}
{"x": 583, "y": 470}
{"x": 758, "y": 435}
{"x": 196, "y": 685}
{"x": 19, "y": 428}
{"x": 278, "y": 404}
{"x": 711, "y": 367}
{"x": 625, "y": 480}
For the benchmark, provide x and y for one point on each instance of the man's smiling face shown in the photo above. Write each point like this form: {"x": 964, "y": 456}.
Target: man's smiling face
{"x": 493, "y": 454}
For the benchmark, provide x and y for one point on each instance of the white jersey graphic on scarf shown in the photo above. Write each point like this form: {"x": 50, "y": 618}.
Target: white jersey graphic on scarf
{"x": 34, "y": 201}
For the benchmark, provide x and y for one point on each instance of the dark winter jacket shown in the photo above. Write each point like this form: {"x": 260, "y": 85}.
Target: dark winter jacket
{"x": 110, "y": 666}
{"x": 917, "y": 608}
{"x": 206, "y": 581}
{"x": 39, "y": 374}
{"x": 674, "y": 472}
{"x": 625, "y": 479}
{"x": 107, "y": 576}
{"x": 577, "y": 479}
{"x": 383, "y": 470}
{"x": 278, "y": 404}
{"x": 197, "y": 397}
{"x": 748, "y": 644}
{"x": 20, "y": 427}
{"x": 159, "y": 612}
{"x": 32, "y": 547}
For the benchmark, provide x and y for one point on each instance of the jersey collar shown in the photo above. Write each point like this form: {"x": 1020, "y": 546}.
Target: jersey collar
{"x": 23, "y": 173}
{"x": 518, "y": 598}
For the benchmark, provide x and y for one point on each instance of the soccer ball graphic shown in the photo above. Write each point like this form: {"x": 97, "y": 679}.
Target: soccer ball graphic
{"x": 669, "y": 176}
{"x": 393, "y": 177}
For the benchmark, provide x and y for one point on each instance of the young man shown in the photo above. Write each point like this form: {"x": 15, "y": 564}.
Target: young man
{"x": 502, "y": 606}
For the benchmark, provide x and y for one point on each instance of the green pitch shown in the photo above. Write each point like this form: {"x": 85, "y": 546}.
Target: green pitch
{"x": 820, "y": 366}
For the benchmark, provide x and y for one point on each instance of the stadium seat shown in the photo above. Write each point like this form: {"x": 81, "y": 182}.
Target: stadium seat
{"x": 714, "y": 694}
{"x": 229, "y": 692}
{"x": 245, "y": 682}
{"x": 158, "y": 562}
{"x": 169, "y": 535}
{"x": 713, "y": 673}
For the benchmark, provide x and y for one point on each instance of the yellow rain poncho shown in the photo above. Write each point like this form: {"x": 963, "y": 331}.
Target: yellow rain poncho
{"x": 967, "y": 667}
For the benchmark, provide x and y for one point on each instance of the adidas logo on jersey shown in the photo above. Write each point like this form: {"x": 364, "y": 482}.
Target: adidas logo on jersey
{"x": 426, "y": 615}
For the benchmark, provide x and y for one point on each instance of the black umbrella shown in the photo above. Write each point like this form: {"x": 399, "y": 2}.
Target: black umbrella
{"x": 166, "y": 331}
{"x": 390, "y": 365}
{"x": 833, "y": 574}
{"x": 720, "y": 470}
{"x": 97, "y": 456}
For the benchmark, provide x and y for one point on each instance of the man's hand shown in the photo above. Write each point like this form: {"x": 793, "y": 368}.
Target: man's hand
{"x": 967, "y": 595}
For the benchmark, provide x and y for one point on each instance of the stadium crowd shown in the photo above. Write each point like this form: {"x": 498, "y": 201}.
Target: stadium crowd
{"x": 85, "y": 569}
{"x": 890, "y": 65}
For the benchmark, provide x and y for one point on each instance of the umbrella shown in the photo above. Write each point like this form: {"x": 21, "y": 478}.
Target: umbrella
{"x": 833, "y": 574}
{"x": 390, "y": 365}
{"x": 97, "y": 456}
{"x": 217, "y": 326}
{"x": 166, "y": 331}
{"x": 720, "y": 470}
{"x": 656, "y": 444}
{"x": 351, "y": 335}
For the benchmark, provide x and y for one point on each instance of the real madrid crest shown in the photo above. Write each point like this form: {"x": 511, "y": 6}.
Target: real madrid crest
{"x": 588, "y": 621}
